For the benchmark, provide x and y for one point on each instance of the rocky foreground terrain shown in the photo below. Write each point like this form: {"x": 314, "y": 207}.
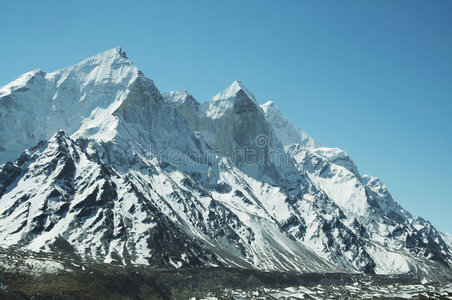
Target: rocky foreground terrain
{"x": 368, "y": 288}
{"x": 43, "y": 276}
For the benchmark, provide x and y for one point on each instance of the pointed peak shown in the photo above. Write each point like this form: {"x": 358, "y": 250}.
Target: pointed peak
{"x": 59, "y": 138}
{"x": 113, "y": 54}
{"x": 121, "y": 52}
{"x": 237, "y": 85}
{"x": 116, "y": 51}
{"x": 233, "y": 90}
{"x": 59, "y": 134}
{"x": 111, "y": 65}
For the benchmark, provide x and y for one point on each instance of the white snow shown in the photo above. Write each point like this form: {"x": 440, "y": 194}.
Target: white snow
{"x": 232, "y": 91}
{"x": 36, "y": 105}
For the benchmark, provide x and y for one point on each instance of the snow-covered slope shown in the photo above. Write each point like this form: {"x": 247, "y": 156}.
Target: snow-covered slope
{"x": 364, "y": 198}
{"x": 369, "y": 210}
{"x": 139, "y": 177}
{"x": 38, "y": 104}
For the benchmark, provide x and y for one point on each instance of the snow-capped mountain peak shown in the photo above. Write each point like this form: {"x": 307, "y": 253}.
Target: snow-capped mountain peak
{"x": 233, "y": 97}
{"x": 232, "y": 91}
{"x": 109, "y": 66}
{"x": 37, "y": 104}
{"x": 109, "y": 57}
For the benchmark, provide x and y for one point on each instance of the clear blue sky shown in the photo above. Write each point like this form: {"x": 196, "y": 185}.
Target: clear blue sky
{"x": 371, "y": 77}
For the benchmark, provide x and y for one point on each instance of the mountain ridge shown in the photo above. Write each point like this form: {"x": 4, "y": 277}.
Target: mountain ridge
{"x": 144, "y": 177}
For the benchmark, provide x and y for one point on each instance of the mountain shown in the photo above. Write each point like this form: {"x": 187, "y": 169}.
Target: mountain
{"x": 99, "y": 165}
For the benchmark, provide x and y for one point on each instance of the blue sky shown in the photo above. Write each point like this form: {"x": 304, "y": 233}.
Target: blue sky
{"x": 371, "y": 77}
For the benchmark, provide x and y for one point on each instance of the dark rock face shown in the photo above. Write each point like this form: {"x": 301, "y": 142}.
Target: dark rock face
{"x": 95, "y": 211}
{"x": 8, "y": 173}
